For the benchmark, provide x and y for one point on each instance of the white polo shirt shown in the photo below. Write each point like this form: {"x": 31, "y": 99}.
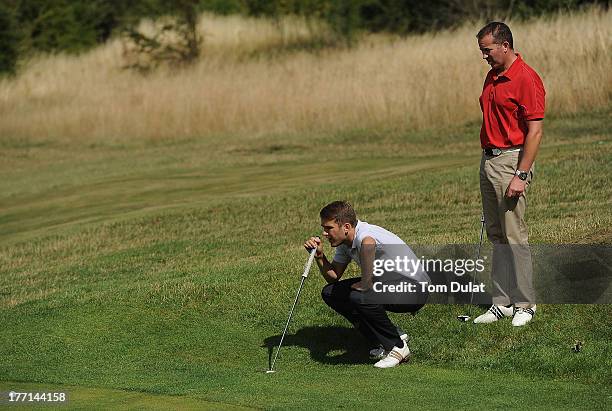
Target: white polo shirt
{"x": 388, "y": 246}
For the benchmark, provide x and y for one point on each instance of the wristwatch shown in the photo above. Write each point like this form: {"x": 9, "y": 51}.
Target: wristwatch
{"x": 521, "y": 174}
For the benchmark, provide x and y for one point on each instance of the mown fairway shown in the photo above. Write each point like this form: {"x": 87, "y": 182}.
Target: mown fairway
{"x": 166, "y": 269}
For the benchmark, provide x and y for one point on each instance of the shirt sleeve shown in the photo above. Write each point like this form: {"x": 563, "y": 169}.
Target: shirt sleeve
{"x": 342, "y": 256}
{"x": 532, "y": 96}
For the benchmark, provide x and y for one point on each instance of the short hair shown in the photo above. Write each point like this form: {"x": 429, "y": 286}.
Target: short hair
{"x": 340, "y": 211}
{"x": 500, "y": 32}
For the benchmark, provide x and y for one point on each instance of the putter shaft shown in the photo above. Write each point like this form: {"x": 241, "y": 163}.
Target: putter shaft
{"x": 297, "y": 297}
{"x": 466, "y": 318}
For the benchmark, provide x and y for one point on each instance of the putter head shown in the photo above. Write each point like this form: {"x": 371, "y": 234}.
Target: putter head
{"x": 463, "y": 318}
{"x": 270, "y": 371}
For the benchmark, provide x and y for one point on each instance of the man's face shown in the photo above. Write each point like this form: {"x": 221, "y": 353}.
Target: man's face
{"x": 334, "y": 232}
{"x": 494, "y": 54}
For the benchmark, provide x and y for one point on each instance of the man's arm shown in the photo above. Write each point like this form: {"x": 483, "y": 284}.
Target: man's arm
{"x": 366, "y": 260}
{"x": 530, "y": 150}
{"x": 330, "y": 271}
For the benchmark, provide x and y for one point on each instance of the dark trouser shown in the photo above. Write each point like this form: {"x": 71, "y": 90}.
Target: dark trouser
{"x": 369, "y": 317}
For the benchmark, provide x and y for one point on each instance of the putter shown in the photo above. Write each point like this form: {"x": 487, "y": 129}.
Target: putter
{"x": 297, "y": 297}
{"x": 466, "y": 317}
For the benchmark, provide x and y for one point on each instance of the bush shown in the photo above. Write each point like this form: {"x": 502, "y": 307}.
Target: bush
{"x": 408, "y": 16}
{"x": 9, "y": 39}
{"x": 343, "y": 16}
{"x": 64, "y": 25}
{"x": 223, "y": 7}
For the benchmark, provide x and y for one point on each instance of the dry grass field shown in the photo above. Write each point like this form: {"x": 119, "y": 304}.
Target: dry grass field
{"x": 411, "y": 83}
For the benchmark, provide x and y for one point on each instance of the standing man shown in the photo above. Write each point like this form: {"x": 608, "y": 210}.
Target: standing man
{"x": 360, "y": 300}
{"x": 512, "y": 104}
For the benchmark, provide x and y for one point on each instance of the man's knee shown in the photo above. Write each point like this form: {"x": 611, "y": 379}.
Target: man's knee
{"x": 326, "y": 294}
{"x": 359, "y": 300}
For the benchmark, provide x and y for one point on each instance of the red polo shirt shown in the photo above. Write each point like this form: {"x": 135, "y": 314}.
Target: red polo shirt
{"x": 508, "y": 102}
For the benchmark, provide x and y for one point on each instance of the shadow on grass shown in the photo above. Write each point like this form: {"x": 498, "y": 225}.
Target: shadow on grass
{"x": 327, "y": 345}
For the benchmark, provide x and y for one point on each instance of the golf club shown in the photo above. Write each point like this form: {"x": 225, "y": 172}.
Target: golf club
{"x": 297, "y": 297}
{"x": 467, "y": 316}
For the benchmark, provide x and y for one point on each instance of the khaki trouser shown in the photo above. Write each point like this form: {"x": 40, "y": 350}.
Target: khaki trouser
{"x": 512, "y": 270}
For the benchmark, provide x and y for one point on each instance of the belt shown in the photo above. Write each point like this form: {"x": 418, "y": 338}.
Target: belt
{"x": 497, "y": 151}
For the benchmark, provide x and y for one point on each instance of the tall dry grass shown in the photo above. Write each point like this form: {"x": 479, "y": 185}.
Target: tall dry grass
{"x": 417, "y": 82}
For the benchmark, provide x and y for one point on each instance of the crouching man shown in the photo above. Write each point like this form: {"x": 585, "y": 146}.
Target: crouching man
{"x": 364, "y": 301}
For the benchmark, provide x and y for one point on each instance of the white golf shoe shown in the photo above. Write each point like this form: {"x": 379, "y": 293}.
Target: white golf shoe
{"x": 394, "y": 357}
{"x": 379, "y": 352}
{"x": 494, "y": 313}
{"x": 522, "y": 316}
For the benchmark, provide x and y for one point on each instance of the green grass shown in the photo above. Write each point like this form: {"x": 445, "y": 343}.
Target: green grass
{"x": 86, "y": 398}
{"x": 140, "y": 272}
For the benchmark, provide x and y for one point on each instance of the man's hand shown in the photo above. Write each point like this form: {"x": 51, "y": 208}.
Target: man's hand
{"x": 516, "y": 187}
{"x": 532, "y": 142}
{"x": 314, "y": 242}
{"x": 361, "y": 285}
{"x": 330, "y": 271}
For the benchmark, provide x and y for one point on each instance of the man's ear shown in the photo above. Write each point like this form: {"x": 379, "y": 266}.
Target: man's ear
{"x": 346, "y": 227}
{"x": 506, "y": 46}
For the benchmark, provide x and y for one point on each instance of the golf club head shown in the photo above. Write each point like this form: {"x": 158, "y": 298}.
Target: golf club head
{"x": 463, "y": 318}
{"x": 270, "y": 371}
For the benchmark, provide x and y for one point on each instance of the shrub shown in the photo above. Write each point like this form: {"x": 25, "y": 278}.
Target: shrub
{"x": 9, "y": 39}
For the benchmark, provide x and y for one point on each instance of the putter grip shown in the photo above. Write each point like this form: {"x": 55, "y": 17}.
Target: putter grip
{"x": 309, "y": 262}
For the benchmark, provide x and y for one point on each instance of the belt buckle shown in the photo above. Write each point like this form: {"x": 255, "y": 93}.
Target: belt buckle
{"x": 496, "y": 151}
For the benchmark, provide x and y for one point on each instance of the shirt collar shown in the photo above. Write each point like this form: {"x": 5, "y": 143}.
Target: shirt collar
{"x": 357, "y": 228}
{"x": 513, "y": 69}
